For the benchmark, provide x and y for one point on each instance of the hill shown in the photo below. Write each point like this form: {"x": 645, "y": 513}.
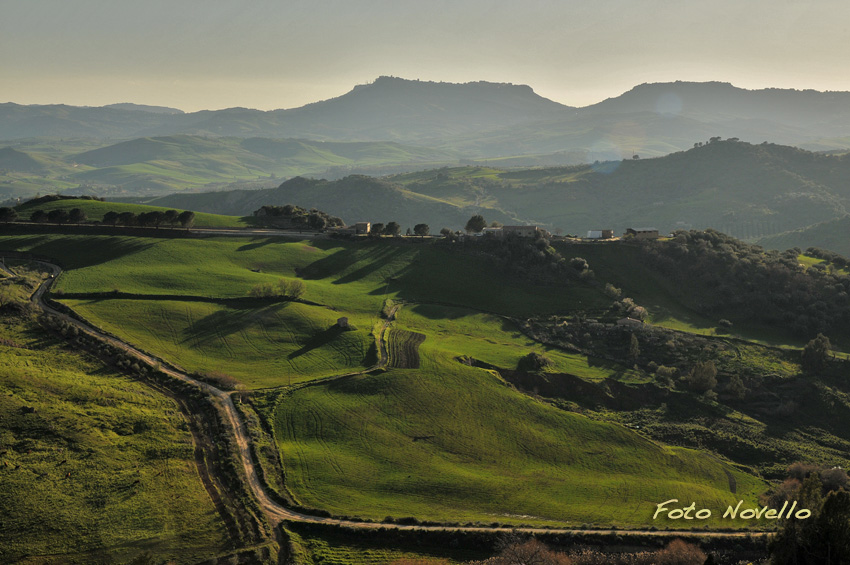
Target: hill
{"x": 210, "y": 331}
{"x": 353, "y": 198}
{"x": 145, "y": 108}
{"x": 719, "y": 102}
{"x": 156, "y": 165}
{"x": 13, "y": 160}
{"x": 387, "y": 109}
{"x": 738, "y": 188}
{"x": 833, "y": 235}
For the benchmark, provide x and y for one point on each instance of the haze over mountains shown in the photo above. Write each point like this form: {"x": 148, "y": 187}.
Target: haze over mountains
{"x": 482, "y": 119}
{"x": 746, "y": 190}
{"x": 394, "y": 126}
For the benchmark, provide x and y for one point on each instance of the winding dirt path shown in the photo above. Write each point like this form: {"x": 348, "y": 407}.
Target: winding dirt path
{"x": 276, "y": 512}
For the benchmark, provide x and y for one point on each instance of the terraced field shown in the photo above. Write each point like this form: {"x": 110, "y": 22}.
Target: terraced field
{"x": 403, "y": 349}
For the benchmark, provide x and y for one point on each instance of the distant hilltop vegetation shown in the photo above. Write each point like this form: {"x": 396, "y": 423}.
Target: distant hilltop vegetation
{"x": 749, "y": 191}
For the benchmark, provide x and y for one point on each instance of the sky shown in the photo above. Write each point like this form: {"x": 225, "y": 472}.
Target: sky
{"x": 212, "y": 54}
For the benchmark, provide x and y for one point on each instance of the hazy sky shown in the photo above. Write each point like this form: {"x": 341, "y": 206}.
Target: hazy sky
{"x": 209, "y": 54}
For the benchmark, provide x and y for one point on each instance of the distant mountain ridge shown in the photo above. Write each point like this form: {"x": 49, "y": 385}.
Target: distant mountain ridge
{"x": 145, "y": 108}
{"x": 484, "y": 120}
{"x": 387, "y": 109}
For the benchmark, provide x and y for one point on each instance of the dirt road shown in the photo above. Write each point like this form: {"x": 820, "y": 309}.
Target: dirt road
{"x": 275, "y": 511}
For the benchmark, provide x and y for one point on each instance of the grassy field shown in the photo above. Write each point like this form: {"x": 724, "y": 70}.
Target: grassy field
{"x": 453, "y": 443}
{"x": 442, "y": 441}
{"x": 95, "y": 467}
{"x": 497, "y": 341}
{"x": 259, "y": 344}
{"x": 95, "y": 210}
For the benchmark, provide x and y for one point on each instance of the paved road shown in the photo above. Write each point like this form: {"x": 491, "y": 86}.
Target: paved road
{"x": 277, "y": 512}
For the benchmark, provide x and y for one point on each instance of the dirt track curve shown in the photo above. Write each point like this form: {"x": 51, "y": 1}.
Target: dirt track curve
{"x": 276, "y": 512}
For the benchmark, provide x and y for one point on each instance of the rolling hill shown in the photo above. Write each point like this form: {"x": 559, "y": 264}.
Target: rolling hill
{"x": 746, "y": 190}
{"x": 833, "y": 235}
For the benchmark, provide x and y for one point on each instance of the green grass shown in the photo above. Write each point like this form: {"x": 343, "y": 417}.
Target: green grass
{"x": 497, "y": 341}
{"x": 354, "y": 548}
{"x": 95, "y": 210}
{"x": 260, "y": 345}
{"x": 452, "y": 443}
{"x": 106, "y": 466}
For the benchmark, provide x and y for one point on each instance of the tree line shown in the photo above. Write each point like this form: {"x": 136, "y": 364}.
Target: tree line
{"x": 63, "y": 216}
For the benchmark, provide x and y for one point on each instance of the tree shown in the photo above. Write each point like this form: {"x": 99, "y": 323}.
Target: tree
{"x": 186, "y": 219}
{"x": 736, "y": 387}
{"x": 110, "y": 218}
{"x": 38, "y": 217}
{"x": 156, "y": 218}
{"x": 530, "y": 552}
{"x": 127, "y": 218}
{"x": 421, "y": 230}
{"x": 634, "y": 347}
{"x": 446, "y": 232}
{"x": 377, "y": 229}
{"x": 170, "y": 217}
{"x": 703, "y": 377}
{"x": 798, "y": 540}
{"x": 816, "y": 354}
{"x": 8, "y": 214}
{"x": 579, "y": 264}
{"x": 58, "y": 216}
{"x": 408, "y": 232}
{"x": 476, "y": 223}
{"x": 316, "y": 221}
{"x": 392, "y": 229}
{"x": 77, "y": 216}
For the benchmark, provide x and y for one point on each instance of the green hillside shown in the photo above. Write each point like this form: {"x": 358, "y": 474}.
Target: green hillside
{"x": 833, "y": 235}
{"x": 454, "y": 428}
{"x": 748, "y": 191}
{"x": 102, "y": 467}
{"x": 158, "y": 165}
{"x": 95, "y": 209}
{"x": 451, "y": 443}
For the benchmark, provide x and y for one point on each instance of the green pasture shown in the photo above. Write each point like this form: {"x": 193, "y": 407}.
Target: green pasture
{"x": 101, "y": 471}
{"x": 352, "y": 276}
{"x": 260, "y": 344}
{"x": 498, "y": 341}
{"x": 95, "y": 210}
{"x": 452, "y": 443}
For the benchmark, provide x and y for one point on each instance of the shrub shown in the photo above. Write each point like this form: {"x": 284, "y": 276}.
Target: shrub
{"x": 533, "y": 362}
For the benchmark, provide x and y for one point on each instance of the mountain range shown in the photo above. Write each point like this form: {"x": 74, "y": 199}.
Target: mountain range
{"x": 483, "y": 120}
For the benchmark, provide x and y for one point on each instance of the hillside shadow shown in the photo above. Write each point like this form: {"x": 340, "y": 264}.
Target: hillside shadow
{"x": 227, "y": 322}
{"x": 441, "y": 312}
{"x": 256, "y": 243}
{"x": 364, "y": 261}
{"x": 322, "y": 338}
{"x": 78, "y": 253}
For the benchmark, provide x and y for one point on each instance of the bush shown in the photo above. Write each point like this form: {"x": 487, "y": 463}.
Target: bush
{"x": 533, "y": 362}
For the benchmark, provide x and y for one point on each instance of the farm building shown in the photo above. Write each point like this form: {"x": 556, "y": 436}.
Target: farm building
{"x": 360, "y": 228}
{"x": 629, "y": 323}
{"x": 523, "y": 231}
{"x": 600, "y": 234}
{"x": 643, "y": 233}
